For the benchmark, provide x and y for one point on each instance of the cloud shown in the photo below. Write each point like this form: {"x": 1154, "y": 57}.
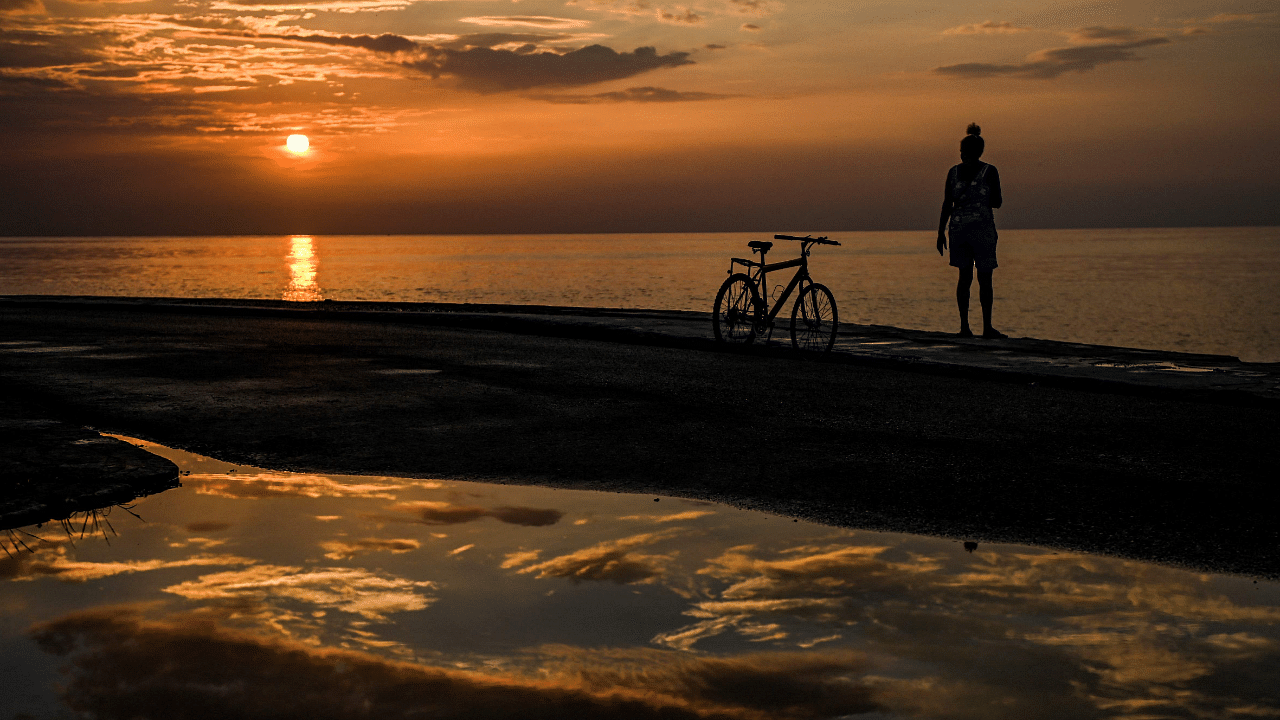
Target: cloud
{"x": 985, "y": 28}
{"x": 1049, "y": 64}
{"x": 673, "y": 517}
{"x": 491, "y": 70}
{"x": 42, "y": 48}
{"x": 17, "y": 7}
{"x": 518, "y": 558}
{"x": 385, "y": 43}
{"x": 370, "y": 595}
{"x": 342, "y": 549}
{"x": 534, "y": 21}
{"x": 268, "y": 484}
{"x": 1098, "y": 32}
{"x": 635, "y": 94}
{"x": 475, "y": 62}
{"x": 338, "y": 6}
{"x": 443, "y": 513}
{"x": 49, "y": 559}
{"x": 121, "y": 665}
{"x": 681, "y": 14}
{"x": 612, "y": 561}
{"x": 496, "y": 39}
{"x": 750, "y": 27}
{"x": 753, "y": 7}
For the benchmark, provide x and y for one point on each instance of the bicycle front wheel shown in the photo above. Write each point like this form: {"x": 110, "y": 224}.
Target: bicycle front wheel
{"x": 814, "y": 319}
{"x": 737, "y": 310}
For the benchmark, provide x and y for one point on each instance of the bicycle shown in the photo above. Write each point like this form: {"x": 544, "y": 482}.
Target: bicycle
{"x": 740, "y": 310}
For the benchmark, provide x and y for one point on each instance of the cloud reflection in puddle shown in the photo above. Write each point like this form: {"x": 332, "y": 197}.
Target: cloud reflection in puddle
{"x": 498, "y": 601}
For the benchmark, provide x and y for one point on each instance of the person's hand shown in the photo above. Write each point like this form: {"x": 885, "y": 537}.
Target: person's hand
{"x": 942, "y": 242}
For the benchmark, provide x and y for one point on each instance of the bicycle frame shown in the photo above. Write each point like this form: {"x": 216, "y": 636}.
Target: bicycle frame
{"x": 762, "y": 270}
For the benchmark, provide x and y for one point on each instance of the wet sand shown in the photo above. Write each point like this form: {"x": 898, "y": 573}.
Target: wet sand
{"x": 984, "y": 452}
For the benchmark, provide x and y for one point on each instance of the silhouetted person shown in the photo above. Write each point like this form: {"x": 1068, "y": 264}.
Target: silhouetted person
{"x": 973, "y": 190}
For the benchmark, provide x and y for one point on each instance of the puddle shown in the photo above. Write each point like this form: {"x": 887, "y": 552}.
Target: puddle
{"x": 29, "y": 349}
{"x": 1164, "y": 365}
{"x": 257, "y": 593}
{"x": 881, "y": 342}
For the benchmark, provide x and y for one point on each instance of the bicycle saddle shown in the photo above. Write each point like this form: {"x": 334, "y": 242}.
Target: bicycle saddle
{"x": 760, "y": 245}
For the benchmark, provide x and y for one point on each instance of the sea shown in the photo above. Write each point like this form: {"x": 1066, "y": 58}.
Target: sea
{"x": 1197, "y": 290}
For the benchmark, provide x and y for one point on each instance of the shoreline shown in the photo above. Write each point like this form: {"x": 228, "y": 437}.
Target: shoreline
{"x": 1159, "y": 465}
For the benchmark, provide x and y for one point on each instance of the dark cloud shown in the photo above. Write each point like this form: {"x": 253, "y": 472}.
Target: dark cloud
{"x": 123, "y": 666}
{"x": 714, "y": 46}
{"x": 489, "y": 70}
{"x": 753, "y": 7}
{"x": 688, "y": 17}
{"x": 1049, "y": 64}
{"x": 474, "y": 62}
{"x": 528, "y": 517}
{"x": 440, "y": 513}
{"x": 635, "y": 94}
{"x": 385, "y": 43}
{"x": 1098, "y": 32}
{"x": 17, "y": 6}
{"x": 751, "y": 27}
{"x": 30, "y": 49}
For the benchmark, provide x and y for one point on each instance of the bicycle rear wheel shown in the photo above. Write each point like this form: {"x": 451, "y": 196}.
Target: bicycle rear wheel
{"x": 814, "y": 319}
{"x": 737, "y": 310}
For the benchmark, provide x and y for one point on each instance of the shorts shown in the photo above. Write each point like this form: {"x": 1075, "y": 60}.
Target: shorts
{"x": 974, "y": 248}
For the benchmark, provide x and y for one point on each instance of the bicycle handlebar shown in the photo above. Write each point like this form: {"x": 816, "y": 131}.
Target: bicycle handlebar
{"x": 814, "y": 240}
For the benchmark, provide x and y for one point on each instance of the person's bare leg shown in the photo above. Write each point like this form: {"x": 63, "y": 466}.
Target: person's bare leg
{"x": 986, "y": 296}
{"x": 962, "y": 300}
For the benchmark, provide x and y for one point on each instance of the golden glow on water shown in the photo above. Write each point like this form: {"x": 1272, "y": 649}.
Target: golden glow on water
{"x": 302, "y": 271}
{"x": 1202, "y": 290}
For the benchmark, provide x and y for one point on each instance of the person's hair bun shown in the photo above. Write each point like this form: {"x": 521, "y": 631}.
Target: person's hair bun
{"x": 973, "y": 129}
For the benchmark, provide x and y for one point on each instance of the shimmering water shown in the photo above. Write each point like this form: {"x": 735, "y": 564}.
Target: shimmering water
{"x": 249, "y": 593}
{"x": 1213, "y": 290}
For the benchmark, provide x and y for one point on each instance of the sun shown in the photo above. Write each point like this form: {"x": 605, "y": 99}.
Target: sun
{"x": 297, "y": 144}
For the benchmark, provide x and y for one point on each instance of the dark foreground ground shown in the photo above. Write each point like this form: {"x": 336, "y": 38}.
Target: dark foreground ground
{"x": 1155, "y": 476}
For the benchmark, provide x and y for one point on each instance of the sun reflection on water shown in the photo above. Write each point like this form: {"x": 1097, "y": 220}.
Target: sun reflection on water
{"x": 302, "y": 271}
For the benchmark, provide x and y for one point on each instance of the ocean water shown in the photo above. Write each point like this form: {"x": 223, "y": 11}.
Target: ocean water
{"x": 1206, "y": 290}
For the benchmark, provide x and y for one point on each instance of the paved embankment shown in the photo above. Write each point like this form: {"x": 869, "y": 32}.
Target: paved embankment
{"x": 1142, "y": 454}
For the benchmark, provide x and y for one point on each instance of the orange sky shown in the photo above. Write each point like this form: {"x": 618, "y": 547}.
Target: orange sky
{"x": 170, "y": 116}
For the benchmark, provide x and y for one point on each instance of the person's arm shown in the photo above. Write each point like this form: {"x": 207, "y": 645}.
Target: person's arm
{"x": 946, "y": 215}
{"x": 993, "y": 182}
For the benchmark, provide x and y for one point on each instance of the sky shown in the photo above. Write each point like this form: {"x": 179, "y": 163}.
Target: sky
{"x": 494, "y": 116}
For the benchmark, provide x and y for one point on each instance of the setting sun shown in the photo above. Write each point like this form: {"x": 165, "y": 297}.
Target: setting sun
{"x": 297, "y": 143}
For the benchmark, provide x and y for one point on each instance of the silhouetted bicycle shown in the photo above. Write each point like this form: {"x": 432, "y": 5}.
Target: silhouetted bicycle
{"x": 740, "y": 311}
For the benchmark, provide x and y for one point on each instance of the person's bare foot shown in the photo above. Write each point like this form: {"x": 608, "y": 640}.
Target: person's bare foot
{"x": 964, "y": 333}
{"x": 993, "y": 334}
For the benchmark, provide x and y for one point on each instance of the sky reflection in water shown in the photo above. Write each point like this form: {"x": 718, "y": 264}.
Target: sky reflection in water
{"x": 250, "y": 593}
